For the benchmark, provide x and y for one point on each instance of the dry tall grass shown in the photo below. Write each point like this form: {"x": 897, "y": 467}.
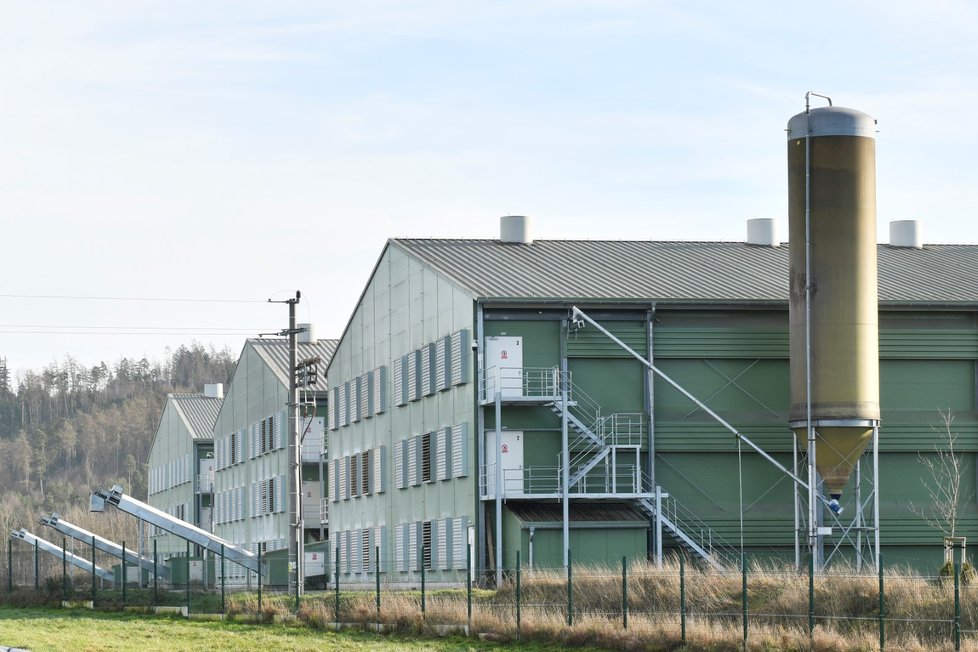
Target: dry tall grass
{"x": 919, "y": 610}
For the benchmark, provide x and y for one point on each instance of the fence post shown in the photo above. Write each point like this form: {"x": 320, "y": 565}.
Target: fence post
{"x": 64, "y": 569}
{"x": 882, "y": 616}
{"x": 188, "y": 578}
{"x": 223, "y": 602}
{"x": 299, "y": 580}
{"x": 124, "y": 574}
{"x": 743, "y": 592}
{"x": 624, "y": 592}
{"x": 518, "y": 586}
{"x": 336, "y": 584}
{"x": 682, "y": 597}
{"x": 156, "y": 576}
{"x": 377, "y": 578}
{"x": 468, "y": 584}
{"x": 93, "y": 571}
{"x": 259, "y": 583}
{"x": 811, "y": 596}
{"x": 421, "y": 563}
{"x": 570, "y": 590}
{"x": 37, "y": 569}
{"x": 10, "y": 565}
{"x": 957, "y": 605}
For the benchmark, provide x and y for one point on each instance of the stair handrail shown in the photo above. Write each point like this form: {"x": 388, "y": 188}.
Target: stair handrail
{"x": 693, "y": 526}
{"x": 600, "y": 431}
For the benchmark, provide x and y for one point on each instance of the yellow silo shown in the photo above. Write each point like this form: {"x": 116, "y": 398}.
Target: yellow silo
{"x": 832, "y": 233}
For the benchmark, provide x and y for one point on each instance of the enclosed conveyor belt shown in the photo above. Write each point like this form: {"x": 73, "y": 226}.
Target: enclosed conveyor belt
{"x": 216, "y": 545}
{"x": 56, "y": 551}
{"x": 103, "y": 544}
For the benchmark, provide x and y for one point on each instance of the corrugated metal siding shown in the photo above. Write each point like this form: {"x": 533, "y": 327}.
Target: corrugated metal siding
{"x": 685, "y": 342}
{"x": 603, "y": 270}
{"x": 592, "y": 343}
{"x": 198, "y": 412}
{"x": 946, "y": 344}
{"x": 275, "y": 353}
{"x": 936, "y": 273}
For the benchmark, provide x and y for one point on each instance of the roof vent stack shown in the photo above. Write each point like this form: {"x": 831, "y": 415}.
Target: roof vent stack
{"x": 306, "y": 335}
{"x": 214, "y": 390}
{"x": 515, "y": 229}
{"x": 762, "y": 232}
{"x": 906, "y": 234}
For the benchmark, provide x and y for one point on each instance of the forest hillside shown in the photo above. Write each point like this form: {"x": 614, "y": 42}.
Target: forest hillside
{"x": 67, "y": 428}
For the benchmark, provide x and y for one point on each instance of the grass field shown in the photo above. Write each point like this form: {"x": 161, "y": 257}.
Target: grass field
{"x": 84, "y": 631}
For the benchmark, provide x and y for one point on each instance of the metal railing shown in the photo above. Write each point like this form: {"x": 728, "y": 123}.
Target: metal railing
{"x": 623, "y": 479}
{"x": 205, "y": 483}
{"x": 522, "y": 382}
{"x": 312, "y": 449}
{"x": 597, "y": 432}
{"x": 622, "y": 429}
{"x": 685, "y": 522}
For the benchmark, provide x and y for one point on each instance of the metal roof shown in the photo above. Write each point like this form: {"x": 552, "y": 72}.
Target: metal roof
{"x": 275, "y": 353}
{"x": 198, "y": 412}
{"x": 695, "y": 272}
{"x": 579, "y": 512}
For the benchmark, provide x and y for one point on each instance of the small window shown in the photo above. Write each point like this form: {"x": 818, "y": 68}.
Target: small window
{"x": 353, "y": 475}
{"x": 271, "y": 433}
{"x": 426, "y": 457}
{"x": 262, "y": 447}
{"x": 365, "y": 558}
{"x": 234, "y": 448}
{"x": 365, "y": 473}
{"x": 426, "y": 543}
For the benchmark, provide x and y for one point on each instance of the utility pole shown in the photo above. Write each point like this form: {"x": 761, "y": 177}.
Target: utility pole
{"x": 294, "y": 483}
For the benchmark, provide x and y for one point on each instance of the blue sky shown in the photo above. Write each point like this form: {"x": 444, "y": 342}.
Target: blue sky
{"x": 242, "y": 150}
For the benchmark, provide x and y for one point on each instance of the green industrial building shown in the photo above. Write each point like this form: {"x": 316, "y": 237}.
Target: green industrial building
{"x": 181, "y": 463}
{"x": 464, "y": 387}
{"x": 220, "y": 462}
{"x": 251, "y": 435}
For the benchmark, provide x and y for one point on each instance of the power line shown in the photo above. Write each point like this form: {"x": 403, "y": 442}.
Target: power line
{"x": 118, "y": 326}
{"x": 161, "y": 332}
{"x": 97, "y": 298}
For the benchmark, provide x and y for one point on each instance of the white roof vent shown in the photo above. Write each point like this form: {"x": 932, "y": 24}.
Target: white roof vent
{"x": 515, "y": 229}
{"x": 214, "y": 390}
{"x": 762, "y": 232}
{"x": 906, "y": 233}
{"x": 307, "y": 335}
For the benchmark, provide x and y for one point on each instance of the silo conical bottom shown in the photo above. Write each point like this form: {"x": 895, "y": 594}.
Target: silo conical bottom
{"x": 837, "y": 449}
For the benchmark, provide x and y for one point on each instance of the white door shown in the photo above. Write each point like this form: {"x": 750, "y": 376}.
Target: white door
{"x": 205, "y": 519}
{"x": 504, "y": 357}
{"x": 510, "y": 452}
{"x": 315, "y": 564}
{"x": 206, "y": 476}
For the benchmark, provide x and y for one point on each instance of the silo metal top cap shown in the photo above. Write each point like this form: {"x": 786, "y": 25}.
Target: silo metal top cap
{"x": 832, "y": 121}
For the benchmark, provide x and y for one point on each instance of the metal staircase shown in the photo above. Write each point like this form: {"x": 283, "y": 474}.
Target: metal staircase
{"x": 595, "y": 442}
{"x": 598, "y": 439}
{"x": 689, "y": 530}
